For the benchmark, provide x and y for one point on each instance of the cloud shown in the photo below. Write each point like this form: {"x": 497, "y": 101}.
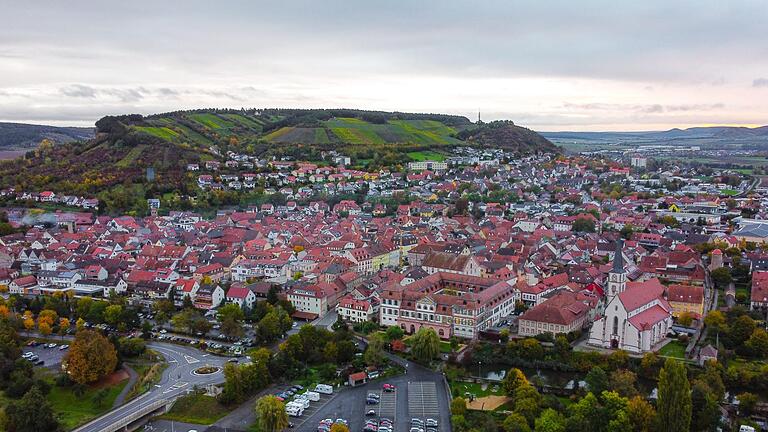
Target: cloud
{"x": 79, "y": 91}
{"x": 760, "y": 82}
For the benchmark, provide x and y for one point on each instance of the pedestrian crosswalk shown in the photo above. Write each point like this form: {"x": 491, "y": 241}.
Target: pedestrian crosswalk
{"x": 422, "y": 399}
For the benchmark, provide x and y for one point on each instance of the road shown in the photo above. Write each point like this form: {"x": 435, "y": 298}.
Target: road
{"x": 176, "y": 380}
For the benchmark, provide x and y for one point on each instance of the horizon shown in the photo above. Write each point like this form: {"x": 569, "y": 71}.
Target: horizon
{"x": 550, "y": 67}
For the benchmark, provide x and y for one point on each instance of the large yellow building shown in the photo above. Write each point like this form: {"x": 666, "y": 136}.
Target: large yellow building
{"x": 686, "y": 298}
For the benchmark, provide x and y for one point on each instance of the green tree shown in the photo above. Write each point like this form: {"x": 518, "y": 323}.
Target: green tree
{"x": 704, "y": 406}
{"x": 550, "y": 421}
{"x": 112, "y": 314}
{"x": 721, "y": 277}
{"x": 394, "y": 333}
{"x": 515, "y": 423}
{"x": 747, "y": 402}
{"x": 374, "y": 352}
{"x": 231, "y": 318}
{"x": 715, "y": 320}
{"x": 513, "y": 379}
{"x": 583, "y": 224}
{"x": 458, "y": 406}
{"x": 757, "y": 344}
{"x": 425, "y": 345}
{"x": 527, "y": 402}
{"x": 269, "y": 327}
{"x": 674, "y": 402}
{"x": 32, "y": 413}
{"x": 270, "y": 414}
{"x": 597, "y": 380}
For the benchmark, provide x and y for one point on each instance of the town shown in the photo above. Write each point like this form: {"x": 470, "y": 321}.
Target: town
{"x": 478, "y": 282}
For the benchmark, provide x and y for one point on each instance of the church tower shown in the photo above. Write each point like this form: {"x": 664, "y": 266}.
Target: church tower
{"x": 617, "y": 277}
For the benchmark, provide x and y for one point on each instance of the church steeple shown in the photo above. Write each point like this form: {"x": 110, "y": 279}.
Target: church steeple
{"x": 617, "y": 278}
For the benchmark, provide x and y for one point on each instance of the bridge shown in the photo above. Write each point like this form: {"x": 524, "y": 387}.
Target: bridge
{"x": 131, "y": 420}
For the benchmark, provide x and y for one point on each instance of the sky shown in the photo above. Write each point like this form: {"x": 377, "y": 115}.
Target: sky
{"x": 549, "y": 65}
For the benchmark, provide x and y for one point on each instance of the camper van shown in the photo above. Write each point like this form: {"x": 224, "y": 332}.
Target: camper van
{"x": 313, "y": 396}
{"x": 294, "y": 410}
{"x": 324, "y": 389}
{"x": 303, "y": 403}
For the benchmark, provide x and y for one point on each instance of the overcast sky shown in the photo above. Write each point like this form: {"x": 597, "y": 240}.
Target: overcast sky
{"x": 549, "y": 65}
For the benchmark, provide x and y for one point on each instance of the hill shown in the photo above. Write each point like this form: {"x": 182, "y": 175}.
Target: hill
{"x": 125, "y": 146}
{"x": 20, "y": 136}
{"x": 508, "y": 136}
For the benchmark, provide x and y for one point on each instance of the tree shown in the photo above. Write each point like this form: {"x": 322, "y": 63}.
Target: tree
{"x": 674, "y": 402}
{"x": 721, "y": 277}
{"x": 394, "y": 333}
{"x": 597, "y": 380}
{"x": 231, "y": 317}
{"x": 90, "y": 357}
{"x": 79, "y": 324}
{"x": 64, "y": 326}
{"x": 685, "y": 319}
{"x": 527, "y": 402}
{"x": 338, "y": 427}
{"x": 583, "y": 224}
{"x": 704, "y": 406}
{"x": 458, "y": 406}
{"x": 757, "y": 344}
{"x": 425, "y": 345}
{"x": 269, "y": 327}
{"x": 747, "y": 402}
{"x": 100, "y": 397}
{"x": 715, "y": 320}
{"x": 513, "y": 379}
{"x": 270, "y": 414}
{"x": 641, "y": 415}
{"x": 112, "y": 314}
{"x": 32, "y": 413}
{"x": 515, "y": 423}
{"x": 374, "y": 353}
{"x": 44, "y": 328}
{"x": 550, "y": 421}
{"x": 740, "y": 330}
{"x": 623, "y": 382}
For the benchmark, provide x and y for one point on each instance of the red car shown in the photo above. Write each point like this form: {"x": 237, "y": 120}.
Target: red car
{"x": 389, "y": 388}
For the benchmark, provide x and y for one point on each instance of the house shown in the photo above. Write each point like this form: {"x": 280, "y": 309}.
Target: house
{"x": 209, "y": 297}
{"x": 759, "y": 297}
{"x": 185, "y": 287}
{"x": 353, "y": 310}
{"x": 357, "y": 379}
{"x": 451, "y": 263}
{"x": 22, "y": 285}
{"x": 706, "y": 354}
{"x": 686, "y": 298}
{"x": 241, "y": 296}
{"x": 105, "y": 287}
{"x": 562, "y": 313}
{"x": 215, "y": 272}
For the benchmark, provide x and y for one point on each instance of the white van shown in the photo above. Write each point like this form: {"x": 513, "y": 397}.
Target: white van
{"x": 745, "y": 428}
{"x": 294, "y": 411}
{"x": 303, "y": 403}
{"x": 313, "y": 396}
{"x": 324, "y": 389}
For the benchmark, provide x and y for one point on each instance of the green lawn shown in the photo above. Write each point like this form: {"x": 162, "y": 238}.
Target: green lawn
{"x": 729, "y": 192}
{"x": 426, "y": 155}
{"x": 673, "y": 349}
{"x": 459, "y": 388}
{"x": 160, "y": 132}
{"x": 74, "y": 410}
{"x": 197, "y": 409}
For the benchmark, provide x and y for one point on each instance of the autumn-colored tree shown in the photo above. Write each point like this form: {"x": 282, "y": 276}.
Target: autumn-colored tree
{"x": 44, "y": 328}
{"x": 4, "y": 311}
{"x": 79, "y": 324}
{"x": 63, "y": 326}
{"x": 47, "y": 317}
{"x": 90, "y": 358}
{"x": 270, "y": 413}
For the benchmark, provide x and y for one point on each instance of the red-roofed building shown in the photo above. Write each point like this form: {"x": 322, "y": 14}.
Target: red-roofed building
{"x": 759, "y": 297}
{"x": 564, "y": 312}
{"x": 354, "y": 310}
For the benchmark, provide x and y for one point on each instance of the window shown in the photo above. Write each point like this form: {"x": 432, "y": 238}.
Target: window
{"x": 615, "y": 325}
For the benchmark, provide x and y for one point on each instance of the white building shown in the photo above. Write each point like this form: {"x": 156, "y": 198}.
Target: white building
{"x": 636, "y": 317}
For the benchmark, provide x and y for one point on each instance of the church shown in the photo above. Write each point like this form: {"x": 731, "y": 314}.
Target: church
{"x": 636, "y": 317}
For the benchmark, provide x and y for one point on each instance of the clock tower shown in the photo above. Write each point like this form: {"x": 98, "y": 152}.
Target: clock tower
{"x": 617, "y": 277}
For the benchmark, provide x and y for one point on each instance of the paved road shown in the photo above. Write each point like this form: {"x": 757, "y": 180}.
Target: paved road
{"x": 176, "y": 380}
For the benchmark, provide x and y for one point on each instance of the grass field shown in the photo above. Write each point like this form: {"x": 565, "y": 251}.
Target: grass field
{"x": 426, "y": 155}
{"x": 729, "y": 192}
{"x": 198, "y": 409}
{"x": 277, "y": 133}
{"x": 160, "y": 132}
{"x": 673, "y": 349}
{"x": 130, "y": 158}
{"x": 212, "y": 121}
{"x": 74, "y": 410}
{"x": 459, "y": 388}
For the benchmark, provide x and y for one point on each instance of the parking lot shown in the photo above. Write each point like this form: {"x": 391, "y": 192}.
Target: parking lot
{"x": 418, "y": 399}
{"x": 51, "y": 357}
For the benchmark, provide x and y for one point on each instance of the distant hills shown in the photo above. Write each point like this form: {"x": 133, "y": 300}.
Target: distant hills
{"x": 124, "y": 146}
{"x": 20, "y": 136}
{"x": 715, "y": 132}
